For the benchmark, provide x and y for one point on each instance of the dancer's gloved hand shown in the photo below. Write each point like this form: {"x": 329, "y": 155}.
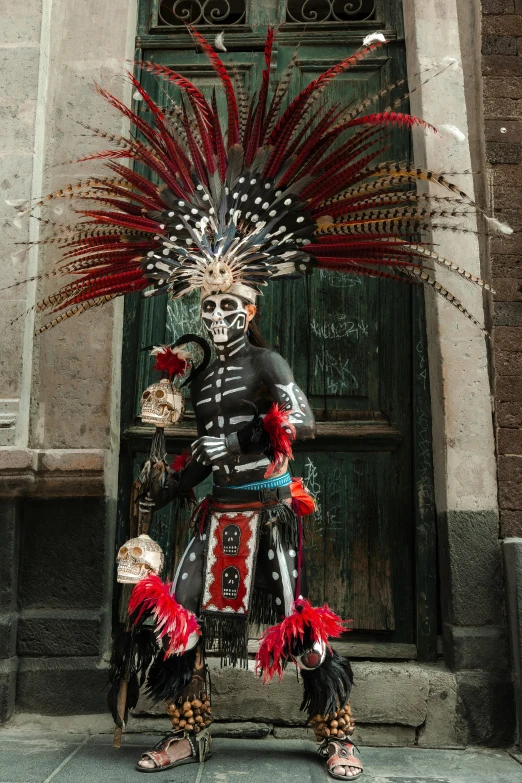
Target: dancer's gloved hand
{"x": 211, "y": 451}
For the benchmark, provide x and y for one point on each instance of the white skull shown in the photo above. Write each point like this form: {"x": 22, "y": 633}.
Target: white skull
{"x": 161, "y": 404}
{"x": 225, "y": 316}
{"x": 139, "y": 558}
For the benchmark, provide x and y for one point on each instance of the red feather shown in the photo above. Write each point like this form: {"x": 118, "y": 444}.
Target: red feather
{"x": 282, "y": 433}
{"x": 170, "y": 362}
{"x": 181, "y": 461}
{"x": 172, "y": 620}
{"x": 277, "y": 642}
{"x": 391, "y": 118}
{"x": 233, "y": 114}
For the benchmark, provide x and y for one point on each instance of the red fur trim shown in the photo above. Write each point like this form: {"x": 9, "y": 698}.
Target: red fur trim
{"x": 172, "y": 620}
{"x": 277, "y": 641}
{"x": 181, "y": 461}
{"x": 170, "y": 362}
{"x": 282, "y": 433}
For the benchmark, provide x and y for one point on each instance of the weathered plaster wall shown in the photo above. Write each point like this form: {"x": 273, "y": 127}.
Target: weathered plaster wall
{"x": 475, "y": 644}
{"x": 59, "y": 394}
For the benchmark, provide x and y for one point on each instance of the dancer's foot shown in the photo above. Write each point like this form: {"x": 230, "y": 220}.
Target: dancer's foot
{"x": 171, "y": 752}
{"x": 341, "y": 759}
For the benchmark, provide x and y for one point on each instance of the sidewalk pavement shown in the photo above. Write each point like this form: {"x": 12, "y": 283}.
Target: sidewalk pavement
{"x": 42, "y": 757}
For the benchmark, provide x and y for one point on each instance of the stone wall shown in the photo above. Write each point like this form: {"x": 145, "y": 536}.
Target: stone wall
{"x": 502, "y": 81}
{"x": 59, "y": 394}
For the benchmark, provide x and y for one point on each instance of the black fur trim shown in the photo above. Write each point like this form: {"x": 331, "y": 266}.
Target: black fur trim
{"x": 132, "y": 653}
{"x": 168, "y": 677}
{"x": 327, "y": 688}
{"x": 286, "y": 521}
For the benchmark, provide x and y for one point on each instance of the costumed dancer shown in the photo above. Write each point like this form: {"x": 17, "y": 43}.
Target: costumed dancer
{"x": 263, "y": 198}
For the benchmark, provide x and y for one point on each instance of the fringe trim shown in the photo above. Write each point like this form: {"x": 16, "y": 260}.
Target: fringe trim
{"x": 229, "y": 635}
{"x": 264, "y": 610}
{"x": 287, "y": 523}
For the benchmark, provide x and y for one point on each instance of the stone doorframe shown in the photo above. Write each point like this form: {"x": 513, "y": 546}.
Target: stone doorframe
{"x": 470, "y": 557}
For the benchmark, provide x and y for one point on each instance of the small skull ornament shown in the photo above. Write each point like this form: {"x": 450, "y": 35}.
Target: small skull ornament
{"x": 217, "y": 277}
{"x": 230, "y": 582}
{"x": 231, "y": 539}
{"x": 161, "y": 404}
{"x": 139, "y": 558}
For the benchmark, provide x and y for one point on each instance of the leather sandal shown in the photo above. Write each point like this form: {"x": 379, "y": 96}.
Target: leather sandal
{"x": 343, "y": 757}
{"x": 199, "y": 750}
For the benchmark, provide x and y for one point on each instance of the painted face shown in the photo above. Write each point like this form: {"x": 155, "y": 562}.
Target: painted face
{"x": 225, "y": 317}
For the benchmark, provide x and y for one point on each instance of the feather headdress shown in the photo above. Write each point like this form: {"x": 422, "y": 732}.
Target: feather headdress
{"x": 283, "y": 186}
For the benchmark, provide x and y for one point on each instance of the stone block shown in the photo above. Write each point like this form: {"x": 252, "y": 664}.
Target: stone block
{"x": 509, "y": 414}
{"x": 505, "y": 176}
{"x": 502, "y": 24}
{"x": 510, "y": 468}
{"x": 371, "y": 735}
{"x": 509, "y": 441}
{"x": 486, "y": 708}
{"x": 508, "y": 388}
{"x": 471, "y": 588}
{"x": 510, "y": 495}
{"x": 238, "y": 695}
{"x": 502, "y": 244}
{"x": 62, "y": 686}
{"x": 440, "y": 729}
{"x": 9, "y": 514}
{"x": 501, "y": 88}
{"x": 243, "y": 730}
{"x": 498, "y": 6}
{"x": 507, "y": 314}
{"x": 506, "y": 265}
{"x": 498, "y": 46}
{"x": 513, "y": 575}
{"x": 293, "y": 732}
{"x": 508, "y": 289}
{"x": 21, "y": 21}
{"x": 18, "y": 90}
{"x": 503, "y": 152}
{"x": 58, "y": 636}
{"x": 7, "y": 635}
{"x": 62, "y": 554}
{"x": 482, "y": 647}
{"x": 508, "y": 362}
{"x": 495, "y": 65}
{"x": 508, "y": 338}
{"x": 511, "y": 524}
{"x": 8, "y": 669}
{"x": 389, "y": 693}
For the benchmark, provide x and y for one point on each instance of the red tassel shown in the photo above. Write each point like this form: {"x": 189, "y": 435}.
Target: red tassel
{"x": 277, "y": 641}
{"x": 172, "y": 619}
{"x": 282, "y": 433}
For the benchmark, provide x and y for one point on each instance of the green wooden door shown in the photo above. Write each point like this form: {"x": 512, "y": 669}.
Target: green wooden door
{"x": 356, "y": 345}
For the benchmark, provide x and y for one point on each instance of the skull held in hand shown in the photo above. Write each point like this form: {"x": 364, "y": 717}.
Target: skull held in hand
{"x": 161, "y": 404}
{"x": 138, "y": 558}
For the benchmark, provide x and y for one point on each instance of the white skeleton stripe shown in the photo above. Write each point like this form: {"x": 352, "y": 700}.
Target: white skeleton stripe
{"x": 209, "y": 375}
{"x": 251, "y": 465}
{"x": 218, "y": 383}
{"x": 237, "y": 340}
{"x": 202, "y": 402}
{"x": 231, "y": 391}
{"x": 221, "y": 421}
{"x": 233, "y": 378}
{"x": 231, "y": 367}
{"x": 218, "y": 398}
{"x": 239, "y": 419}
{"x": 209, "y": 386}
{"x": 235, "y": 350}
{"x": 209, "y": 425}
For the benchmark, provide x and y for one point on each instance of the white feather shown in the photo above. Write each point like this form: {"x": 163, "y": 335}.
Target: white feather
{"x": 137, "y": 96}
{"x": 448, "y": 61}
{"x": 17, "y": 223}
{"x": 219, "y": 42}
{"x": 497, "y": 225}
{"x": 374, "y": 37}
{"x": 15, "y": 202}
{"x": 452, "y": 130}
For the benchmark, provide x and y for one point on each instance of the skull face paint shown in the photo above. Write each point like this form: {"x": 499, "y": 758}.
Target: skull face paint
{"x": 225, "y": 317}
